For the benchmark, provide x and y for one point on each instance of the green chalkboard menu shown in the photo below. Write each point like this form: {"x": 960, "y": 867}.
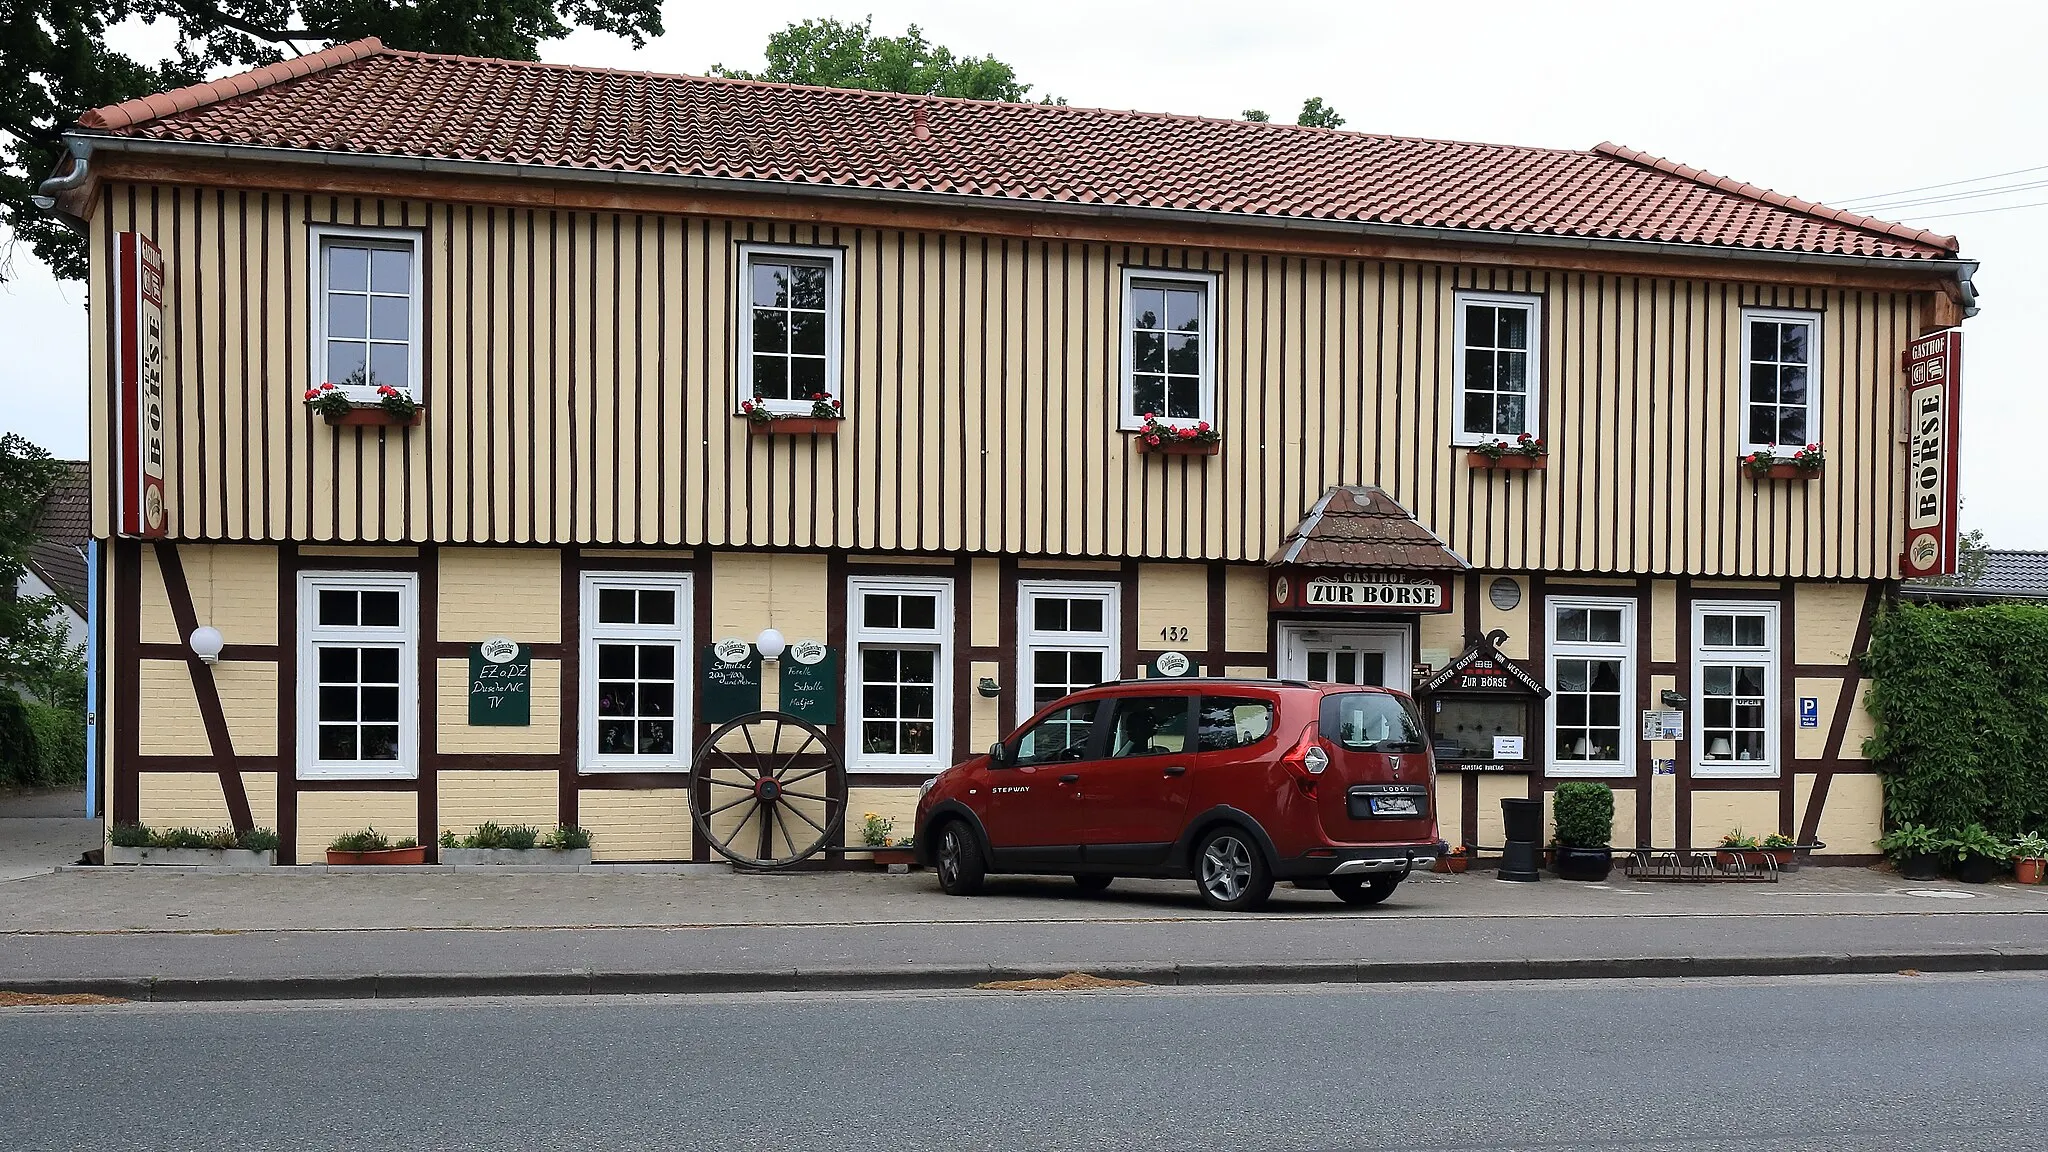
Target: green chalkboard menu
{"x": 732, "y": 681}
{"x": 810, "y": 682}
{"x": 500, "y": 683}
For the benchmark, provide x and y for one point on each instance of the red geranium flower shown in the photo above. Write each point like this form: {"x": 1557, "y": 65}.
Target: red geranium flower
{"x": 312, "y": 393}
{"x": 327, "y": 386}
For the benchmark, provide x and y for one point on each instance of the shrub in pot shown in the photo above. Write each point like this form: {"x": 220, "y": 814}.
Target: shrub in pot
{"x": 218, "y": 847}
{"x": 1979, "y": 857}
{"x": 1584, "y": 813}
{"x": 2030, "y": 857}
{"x": 1915, "y": 849}
{"x": 517, "y": 844}
{"x": 369, "y": 846}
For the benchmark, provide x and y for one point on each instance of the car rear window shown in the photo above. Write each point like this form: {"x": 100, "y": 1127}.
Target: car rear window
{"x": 1229, "y": 722}
{"x": 1371, "y": 722}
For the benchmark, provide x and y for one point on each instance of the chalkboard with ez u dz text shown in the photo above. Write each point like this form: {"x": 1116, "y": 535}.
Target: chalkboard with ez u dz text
{"x": 500, "y": 684}
{"x": 730, "y": 690}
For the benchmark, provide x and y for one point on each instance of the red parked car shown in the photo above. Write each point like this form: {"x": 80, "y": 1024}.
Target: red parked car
{"x": 1234, "y": 784}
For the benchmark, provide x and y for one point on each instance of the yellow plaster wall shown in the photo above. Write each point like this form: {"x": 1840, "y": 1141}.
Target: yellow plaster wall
{"x": 167, "y": 711}
{"x": 248, "y": 698}
{"x": 1441, "y": 635}
{"x": 1716, "y": 813}
{"x": 784, "y": 590}
{"x": 367, "y": 551}
{"x": 1514, "y": 621}
{"x": 455, "y": 734}
{"x": 1663, "y": 622}
{"x": 1244, "y": 609}
{"x": 1664, "y": 812}
{"x": 892, "y": 803}
{"x": 195, "y": 800}
{"x": 984, "y": 716}
{"x": 487, "y": 592}
{"x": 1493, "y": 787}
{"x": 1245, "y": 672}
{"x": 1826, "y": 616}
{"x": 1172, "y": 596}
{"x": 1862, "y": 725}
{"x": 467, "y": 799}
{"x": 325, "y": 815}
{"x": 1450, "y": 806}
{"x": 1812, "y": 743}
{"x": 638, "y": 824}
{"x": 234, "y": 588}
{"x": 1853, "y": 818}
{"x": 985, "y": 622}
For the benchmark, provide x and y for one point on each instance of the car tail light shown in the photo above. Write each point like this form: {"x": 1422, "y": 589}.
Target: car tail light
{"x": 1308, "y": 759}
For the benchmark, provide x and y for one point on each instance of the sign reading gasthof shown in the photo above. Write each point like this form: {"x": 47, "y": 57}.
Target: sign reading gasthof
{"x": 139, "y": 384}
{"x": 1370, "y": 590}
{"x": 1934, "y": 368}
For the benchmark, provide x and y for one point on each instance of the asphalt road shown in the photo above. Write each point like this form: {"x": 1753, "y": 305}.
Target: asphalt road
{"x": 1836, "y": 1064}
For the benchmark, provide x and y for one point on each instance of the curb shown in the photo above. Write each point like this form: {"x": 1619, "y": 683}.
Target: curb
{"x": 400, "y": 986}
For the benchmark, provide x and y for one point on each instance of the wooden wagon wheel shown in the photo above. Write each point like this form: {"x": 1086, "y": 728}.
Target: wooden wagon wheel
{"x": 763, "y": 790}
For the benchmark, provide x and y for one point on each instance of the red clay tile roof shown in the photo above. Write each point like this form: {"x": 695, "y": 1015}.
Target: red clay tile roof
{"x": 1363, "y": 527}
{"x": 363, "y": 98}
{"x": 63, "y": 529}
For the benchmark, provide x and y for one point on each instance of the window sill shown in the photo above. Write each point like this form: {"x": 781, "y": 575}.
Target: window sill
{"x": 794, "y": 426}
{"x": 374, "y": 418}
{"x": 1510, "y": 462}
{"x": 1167, "y": 447}
{"x": 1786, "y": 472}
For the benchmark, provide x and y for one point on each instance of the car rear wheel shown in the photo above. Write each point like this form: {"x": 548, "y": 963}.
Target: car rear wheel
{"x": 958, "y": 860}
{"x": 1230, "y": 871}
{"x": 1091, "y": 882}
{"x": 1364, "y": 891}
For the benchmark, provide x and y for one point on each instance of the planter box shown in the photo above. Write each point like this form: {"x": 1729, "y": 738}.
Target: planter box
{"x": 382, "y": 856}
{"x": 2029, "y": 871}
{"x": 193, "y": 857}
{"x": 1167, "y": 447}
{"x": 794, "y": 426}
{"x": 1751, "y": 859}
{"x": 884, "y": 856}
{"x": 565, "y": 856}
{"x": 1787, "y": 472}
{"x": 1584, "y": 863}
{"x": 376, "y": 418}
{"x": 1451, "y": 865}
{"x": 1511, "y": 462}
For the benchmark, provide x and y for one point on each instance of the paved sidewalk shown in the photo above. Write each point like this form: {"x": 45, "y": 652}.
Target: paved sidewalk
{"x": 169, "y": 935}
{"x": 40, "y": 830}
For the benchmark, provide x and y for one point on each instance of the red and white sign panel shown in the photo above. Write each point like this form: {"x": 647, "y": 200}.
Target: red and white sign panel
{"x": 1363, "y": 590}
{"x": 139, "y": 385}
{"x": 1934, "y": 370}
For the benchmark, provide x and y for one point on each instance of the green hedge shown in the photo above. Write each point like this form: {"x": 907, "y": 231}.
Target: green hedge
{"x": 40, "y": 746}
{"x": 1961, "y": 702}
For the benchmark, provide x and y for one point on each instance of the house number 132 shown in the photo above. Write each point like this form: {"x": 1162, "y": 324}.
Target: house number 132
{"x": 1174, "y": 633}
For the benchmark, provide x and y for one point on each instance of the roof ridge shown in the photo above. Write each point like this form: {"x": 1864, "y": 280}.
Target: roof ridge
{"x": 131, "y": 112}
{"x": 1778, "y": 199}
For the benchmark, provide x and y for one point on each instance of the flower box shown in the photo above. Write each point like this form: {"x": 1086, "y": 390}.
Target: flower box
{"x": 236, "y": 858}
{"x": 1451, "y": 865}
{"x": 413, "y": 855}
{"x": 1509, "y": 462}
{"x": 374, "y": 418}
{"x": 566, "y": 857}
{"x": 1170, "y": 447}
{"x": 1786, "y": 472}
{"x": 793, "y": 426}
{"x": 1751, "y": 859}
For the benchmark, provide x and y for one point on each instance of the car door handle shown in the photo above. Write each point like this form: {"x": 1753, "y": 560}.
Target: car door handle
{"x": 1177, "y": 770}
{"x": 1070, "y": 777}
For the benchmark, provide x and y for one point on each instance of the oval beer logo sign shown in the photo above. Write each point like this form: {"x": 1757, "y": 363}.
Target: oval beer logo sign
{"x": 1172, "y": 664}
{"x": 498, "y": 649}
{"x": 807, "y": 651}
{"x": 731, "y": 650}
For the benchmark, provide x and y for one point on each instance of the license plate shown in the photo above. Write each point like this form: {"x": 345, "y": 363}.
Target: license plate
{"x": 1394, "y": 806}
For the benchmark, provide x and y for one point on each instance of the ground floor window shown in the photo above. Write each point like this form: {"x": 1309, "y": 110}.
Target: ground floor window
{"x": 899, "y": 677}
{"x": 358, "y": 696}
{"x": 1066, "y": 639}
{"x": 635, "y": 665}
{"x": 1734, "y": 676}
{"x": 1592, "y": 682}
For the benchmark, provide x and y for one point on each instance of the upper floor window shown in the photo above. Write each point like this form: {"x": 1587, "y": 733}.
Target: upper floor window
{"x": 1169, "y": 346}
{"x": 358, "y": 701}
{"x": 1781, "y": 362}
{"x": 1592, "y": 679}
{"x": 366, "y": 309}
{"x": 1735, "y": 676}
{"x": 1499, "y": 367}
{"x": 789, "y": 326}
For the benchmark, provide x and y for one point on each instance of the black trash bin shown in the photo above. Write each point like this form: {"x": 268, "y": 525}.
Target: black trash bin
{"x": 1524, "y": 820}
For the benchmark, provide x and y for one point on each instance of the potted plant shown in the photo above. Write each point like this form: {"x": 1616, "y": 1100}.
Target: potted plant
{"x": 392, "y": 408}
{"x": 1523, "y": 452}
{"x": 875, "y": 838}
{"x": 488, "y": 843}
{"x": 218, "y": 848}
{"x": 1584, "y": 813}
{"x": 1915, "y": 850}
{"x": 1453, "y": 862}
{"x": 1979, "y": 856}
{"x": 370, "y": 847}
{"x": 823, "y": 420}
{"x": 1766, "y": 464}
{"x": 2029, "y": 857}
{"x": 1738, "y": 852}
{"x": 1161, "y": 439}
{"x": 1782, "y": 849}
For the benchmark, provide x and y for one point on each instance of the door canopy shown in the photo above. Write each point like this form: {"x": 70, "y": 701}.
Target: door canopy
{"x": 1358, "y": 549}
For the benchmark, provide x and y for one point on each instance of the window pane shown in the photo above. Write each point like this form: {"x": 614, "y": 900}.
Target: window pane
{"x": 1479, "y": 369}
{"x": 878, "y": 700}
{"x": 1150, "y": 726}
{"x": 380, "y": 742}
{"x": 1514, "y": 327}
{"x": 807, "y": 333}
{"x": 1085, "y": 615}
{"x": 657, "y": 700}
{"x": 347, "y": 316}
{"x": 1720, "y": 679}
{"x": 337, "y": 742}
{"x": 1749, "y": 680}
{"x": 771, "y": 330}
{"x": 1720, "y": 630}
{"x": 337, "y": 703}
{"x": 1049, "y": 668}
{"x": 337, "y": 665}
{"x": 1148, "y": 308}
{"x": 1720, "y": 710}
{"x": 920, "y": 612}
{"x": 808, "y": 286}
{"x": 1319, "y": 667}
{"x": 878, "y": 665}
{"x": 1791, "y": 385}
{"x": 390, "y": 364}
{"x": 1605, "y": 675}
{"x": 391, "y": 271}
{"x": 390, "y": 318}
{"x": 1227, "y": 722}
{"x": 1514, "y": 371}
{"x": 1763, "y": 340}
{"x": 1183, "y": 397}
{"x": 878, "y": 738}
{"x": 380, "y": 665}
{"x": 1148, "y": 352}
{"x": 380, "y": 704}
{"x": 1479, "y": 326}
{"x": 1084, "y": 668}
{"x": 771, "y": 284}
{"x": 1184, "y": 355}
{"x": 807, "y": 377}
{"x": 1603, "y": 626}
{"x": 1749, "y": 631}
{"x": 1479, "y": 412}
{"x": 615, "y": 605}
{"x": 1063, "y": 735}
{"x": 337, "y": 606}
{"x": 1763, "y": 383}
{"x": 917, "y": 666}
{"x": 1603, "y": 709}
{"x": 878, "y": 610}
{"x": 1572, "y": 709}
{"x": 657, "y": 662}
{"x": 771, "y": 377}
{"x": 380, "y": 609}
{"x": 615, "y": 661}
{"x": 615, "y": 737}
{"x": 348, "y": 268}
{"x": 1571, "y": 623}
{"x": 916, "y": 702}
{"x": 346, "y": 362}
{"x": 1184, "y": 310}
{"x": 1512, "y": 416}
{"x": 1049, "y": 614}
{"x": 1148, "y": 394}
{"x": 1791, "y": 425}
{"x": 657, "y": 606}
{"x": 657, "y": 738}
{"x": 614, "y": 699}
{"x": 1792, "y": 340}
{"x": 1571, "y": 675}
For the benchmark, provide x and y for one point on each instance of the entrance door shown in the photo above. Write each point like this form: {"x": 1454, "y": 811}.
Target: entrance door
{"x": 1346, "y": 654}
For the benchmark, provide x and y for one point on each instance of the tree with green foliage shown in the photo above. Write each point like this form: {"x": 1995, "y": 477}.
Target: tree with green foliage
{"x": 1316, "y": 114}
{"x": 1256, "y": 115}
{"x": 55, "y": 64}
{"x": 829, "y": 54}
{"x": 42, "y": 676}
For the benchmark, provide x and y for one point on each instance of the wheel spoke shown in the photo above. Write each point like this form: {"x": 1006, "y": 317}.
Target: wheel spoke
{"x": 801, "y": 776}
{"x": 810, "y": 738}
{"x": 805, "y": 796}
{"x": 734, "y": 804}
{"x": 805, "y": 818}
{"x": 710, "y": 779}
{"x": 730, "y": 759}
{"x": 767, "y": 850}
{"x": 783, "y": 825}
{"x": 733, "y": 836}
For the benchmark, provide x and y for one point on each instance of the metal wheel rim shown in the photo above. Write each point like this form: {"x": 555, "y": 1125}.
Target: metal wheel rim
{"x": 949, "y": 857}
{"x": 772, "y": 831}
{"x": 1226, "y": 868}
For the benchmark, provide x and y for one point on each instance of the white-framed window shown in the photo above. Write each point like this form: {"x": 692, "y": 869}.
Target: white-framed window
{"x": 365, "y": 309}
{"x": 1067, "y": 635}
{"x": 634, "y": 672}
{"x": 899, "y": 679}
{"x": 1500, "y": 366}
{"x": 358, "y": 676}
{"x": 1169, "y": 330}
{"x": 1780, "y": 379}
{"x": 1592, "y": 686}
{"x": 1735, "y": 688}
{"x": 789, "y": 321}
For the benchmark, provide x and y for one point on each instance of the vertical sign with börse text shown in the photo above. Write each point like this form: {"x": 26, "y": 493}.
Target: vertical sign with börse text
{"x": 500, "y": 683}
{"x": 139, "y": 384}
{"x": 1934, "y": 368}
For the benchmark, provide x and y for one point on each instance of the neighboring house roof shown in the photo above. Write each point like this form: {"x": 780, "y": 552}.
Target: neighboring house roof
{"x": 2008, "y": 575}
{"x": 62, "y": 533}
{"x": 370, "y": 101}
{"x": 1363, "y": 527}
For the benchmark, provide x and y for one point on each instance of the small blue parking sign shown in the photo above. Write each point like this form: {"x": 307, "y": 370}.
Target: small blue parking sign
{"x": 1809, "y": 711}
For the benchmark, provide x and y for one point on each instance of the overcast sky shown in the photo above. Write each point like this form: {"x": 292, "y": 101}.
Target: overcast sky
{"x": 1836, "y": 102}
